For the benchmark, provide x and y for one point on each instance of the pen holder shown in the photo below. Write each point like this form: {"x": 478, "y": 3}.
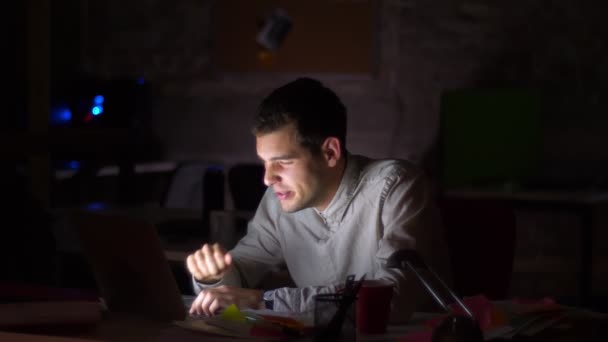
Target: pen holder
{"x": 334, "y": 318}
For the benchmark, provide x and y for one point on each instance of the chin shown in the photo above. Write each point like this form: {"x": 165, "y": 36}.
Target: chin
{"x": 291, "y": 208}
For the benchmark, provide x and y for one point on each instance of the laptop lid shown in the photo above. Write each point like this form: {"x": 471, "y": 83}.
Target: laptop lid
{"x": 129, "y": 265}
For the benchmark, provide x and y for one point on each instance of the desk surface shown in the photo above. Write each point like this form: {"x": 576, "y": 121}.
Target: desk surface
{"x": 119, "y": 328}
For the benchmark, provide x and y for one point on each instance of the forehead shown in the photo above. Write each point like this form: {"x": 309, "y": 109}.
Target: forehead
{"x": 280, "y": 143}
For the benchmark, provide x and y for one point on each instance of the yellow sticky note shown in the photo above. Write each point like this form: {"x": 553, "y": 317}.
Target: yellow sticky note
{"x": 232, "y": 313}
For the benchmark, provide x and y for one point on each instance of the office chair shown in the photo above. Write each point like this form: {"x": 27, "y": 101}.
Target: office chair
{"x": 197, "y": 187}
{"x": 481, "y": 239}
{"x": 246, "y": 188}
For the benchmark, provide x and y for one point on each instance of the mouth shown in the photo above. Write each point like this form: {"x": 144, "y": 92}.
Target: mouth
{"x": 283, "y": 195}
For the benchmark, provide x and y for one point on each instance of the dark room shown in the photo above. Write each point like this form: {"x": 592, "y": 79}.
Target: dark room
{"x": 314, "y": 170}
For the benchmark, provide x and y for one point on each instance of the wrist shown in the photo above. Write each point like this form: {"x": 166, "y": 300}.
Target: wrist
{"x": 209, "y": 280}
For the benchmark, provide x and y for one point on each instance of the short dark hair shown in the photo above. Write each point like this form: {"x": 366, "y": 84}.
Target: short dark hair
{"x": 316, "y": 111}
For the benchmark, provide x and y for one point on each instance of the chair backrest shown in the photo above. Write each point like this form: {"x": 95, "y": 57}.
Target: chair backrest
{"x": 481, "y": 239}
{"x": 197, "y": 186}
{"x": 186, "y": 187}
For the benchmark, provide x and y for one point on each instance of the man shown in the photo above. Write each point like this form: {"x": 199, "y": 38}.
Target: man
{"x": 326, "y": 214}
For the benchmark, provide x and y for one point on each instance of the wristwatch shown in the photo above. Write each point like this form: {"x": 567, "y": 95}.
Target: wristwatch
{"x": 268, "y": 298}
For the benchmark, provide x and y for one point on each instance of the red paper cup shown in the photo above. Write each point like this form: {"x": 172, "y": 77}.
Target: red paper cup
{"x": 374, "y": 306}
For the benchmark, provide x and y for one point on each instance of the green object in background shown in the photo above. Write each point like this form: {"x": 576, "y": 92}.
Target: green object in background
{"x": 489, "y": 137}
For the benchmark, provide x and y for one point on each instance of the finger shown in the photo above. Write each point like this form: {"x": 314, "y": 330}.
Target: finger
{"x": 190, "y": 265}
{"x": 210, "y": 260}
{"x": 206, "y": 302}
{"x": 199, "y": 257}
{"x": 215, "y": 306}
{"x": 228, "y": 259}
{"x": 193, "y": 268}
{"x": 196, "y": 304}
{"x": 212, "y": 268}
{"x": 218, "y": 256}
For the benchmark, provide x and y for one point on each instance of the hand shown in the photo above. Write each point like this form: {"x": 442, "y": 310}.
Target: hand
{"x": 209, "y": 301}
{"x": 209, "y": 264}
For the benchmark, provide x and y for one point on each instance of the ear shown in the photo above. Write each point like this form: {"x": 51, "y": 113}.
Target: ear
{"x": 331, "y": 151}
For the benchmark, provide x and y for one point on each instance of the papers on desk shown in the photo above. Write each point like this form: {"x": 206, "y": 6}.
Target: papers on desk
{"x": 507, "y": 319}
{"x": 248, "y": 324}
{"x": 529, "y": 318}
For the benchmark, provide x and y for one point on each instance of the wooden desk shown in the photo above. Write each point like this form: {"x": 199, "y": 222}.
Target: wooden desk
{"x": 581, "y": 203}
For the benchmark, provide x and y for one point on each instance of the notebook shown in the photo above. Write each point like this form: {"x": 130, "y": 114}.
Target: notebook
{"x": 129, "y": 265}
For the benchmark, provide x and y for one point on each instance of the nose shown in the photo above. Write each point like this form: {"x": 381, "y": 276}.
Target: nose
{"x": 270, "y": 176}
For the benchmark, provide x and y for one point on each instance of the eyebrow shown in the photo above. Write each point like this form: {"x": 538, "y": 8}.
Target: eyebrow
{"x": 281, "y": 157}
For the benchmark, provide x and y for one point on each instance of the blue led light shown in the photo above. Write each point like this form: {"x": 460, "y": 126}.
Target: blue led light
{"x": 141, "y": 80}
{"x": 65, "y": 114}
{"x": 97, "y": 110}
{"x": 61, "y": 115}
{"x": 74, "y": 165}
{"x": 96, "y": 206}
{"x": 98, "y": 99}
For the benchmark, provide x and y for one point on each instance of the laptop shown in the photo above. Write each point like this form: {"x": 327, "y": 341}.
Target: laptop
{"x": 129, "y": 265}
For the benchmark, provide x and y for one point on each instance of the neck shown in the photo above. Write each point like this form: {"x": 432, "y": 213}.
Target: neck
{"x": 333, "y": 183}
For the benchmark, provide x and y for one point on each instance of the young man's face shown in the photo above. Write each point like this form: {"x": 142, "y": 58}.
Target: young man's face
{"x": 299, "y": 178}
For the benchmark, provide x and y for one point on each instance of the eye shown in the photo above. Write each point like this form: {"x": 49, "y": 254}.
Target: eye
{"x": 285, "y": 162}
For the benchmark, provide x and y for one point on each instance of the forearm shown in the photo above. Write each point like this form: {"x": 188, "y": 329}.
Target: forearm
{"x": 243, "y": 273}
{"x": 299, "y": 300}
